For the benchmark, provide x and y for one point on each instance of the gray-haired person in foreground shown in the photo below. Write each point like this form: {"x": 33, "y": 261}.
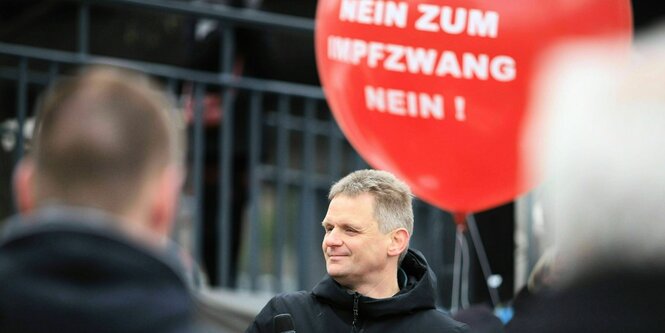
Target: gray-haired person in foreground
{"x": 375, "y": 283}
{"x": 605, "y": 192}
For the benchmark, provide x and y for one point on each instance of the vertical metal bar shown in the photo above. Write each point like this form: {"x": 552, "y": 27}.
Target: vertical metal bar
{"x": 226, "y": 54}
{"x": 437, "y": 246}
{"x": 224, "y": 205}
{"x": 227, "y": 47}
{"x": 434, "y": 237}
{"x": 199, "y": 149}
{"x": 53, "y": 70}
{"x": 171, "y": 86}
{"x": 334, "y": 151}
{"x": 83, "y": 29}
{"x": 256, "y": 102}
{"x": 280, "y": 203}
{"x": 21, "y": 106}
{"x": 306, "y": 220}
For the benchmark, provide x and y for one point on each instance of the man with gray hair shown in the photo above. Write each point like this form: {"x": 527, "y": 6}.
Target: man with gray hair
{"x": 97, "y": 196}
{"x": 375, "y": 283}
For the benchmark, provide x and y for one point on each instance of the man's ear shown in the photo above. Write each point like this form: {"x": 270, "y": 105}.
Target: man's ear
{"x": 165, "y": 200}
{"x": 399, "y": 241}
{"x": 24, "y": 191}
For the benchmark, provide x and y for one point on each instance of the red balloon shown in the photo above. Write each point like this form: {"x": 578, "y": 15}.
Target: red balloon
{"x": 437, "y": 91}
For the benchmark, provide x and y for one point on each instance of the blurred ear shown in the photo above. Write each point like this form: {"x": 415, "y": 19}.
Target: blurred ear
{"x": 24, "y": 192}
{"x": 399, "y": 241}
{"x": 165, "y": 201}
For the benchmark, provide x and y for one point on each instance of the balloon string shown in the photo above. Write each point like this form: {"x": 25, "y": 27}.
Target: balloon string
{"x": 482, "y": 257}
{"x": 466, "y": 266}
{"x": 457, "y": 268}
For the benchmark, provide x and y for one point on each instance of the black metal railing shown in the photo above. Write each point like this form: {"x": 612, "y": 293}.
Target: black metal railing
{"x": 292, "y": 150}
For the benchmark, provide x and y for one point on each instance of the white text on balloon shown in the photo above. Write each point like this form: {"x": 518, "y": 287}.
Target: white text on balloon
{"x": 418, "y": 60}
{"x": 473, "y": 21}
{"x": 432, "y": 18}
{"x": 385, "y": 13}
{"x": 411, "y": 103}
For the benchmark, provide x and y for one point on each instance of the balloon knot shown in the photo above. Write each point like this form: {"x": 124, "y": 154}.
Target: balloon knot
{"x": 460, "y": 218}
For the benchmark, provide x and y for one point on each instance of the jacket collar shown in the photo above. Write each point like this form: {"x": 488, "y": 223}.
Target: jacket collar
{"x": 417, "y": 293}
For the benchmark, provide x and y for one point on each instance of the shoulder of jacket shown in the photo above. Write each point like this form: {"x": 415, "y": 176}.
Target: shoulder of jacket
{"x": 293, "y": 294}
{"x": 293, "y": 297}
{"x": 280, "y": 303}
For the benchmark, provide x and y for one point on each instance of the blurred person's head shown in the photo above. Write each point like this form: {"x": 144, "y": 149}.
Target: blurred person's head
{"x": 368, "y": 226}
{"x": 605, "y": 192}
{"x": 107, "y": 139}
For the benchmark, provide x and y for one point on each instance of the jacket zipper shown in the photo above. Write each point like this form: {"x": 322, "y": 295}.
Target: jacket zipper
{"x": 356, "y": 296}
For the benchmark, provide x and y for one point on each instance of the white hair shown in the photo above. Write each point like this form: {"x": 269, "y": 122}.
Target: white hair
{"x": 605, "y": 185}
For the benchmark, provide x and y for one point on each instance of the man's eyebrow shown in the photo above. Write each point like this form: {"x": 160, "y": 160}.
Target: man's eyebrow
{"x": 342, "y": 225}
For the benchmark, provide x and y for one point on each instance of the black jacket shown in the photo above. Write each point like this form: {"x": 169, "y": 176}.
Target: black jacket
{"x": 70, "y": 272}
{"x": 615, "y": 300}
{"x": 331, "y": 308}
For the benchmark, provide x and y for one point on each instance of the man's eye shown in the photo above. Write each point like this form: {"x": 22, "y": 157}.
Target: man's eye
{"x": 351, "y": 231}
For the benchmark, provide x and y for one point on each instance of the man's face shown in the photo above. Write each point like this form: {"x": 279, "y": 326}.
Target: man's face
{"x": 353, "y": 246}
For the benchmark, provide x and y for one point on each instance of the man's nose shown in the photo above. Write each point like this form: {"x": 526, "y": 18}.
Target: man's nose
{"x": 332, "y": 238}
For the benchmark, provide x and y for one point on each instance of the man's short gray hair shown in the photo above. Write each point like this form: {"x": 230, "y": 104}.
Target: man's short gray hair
{"x": 392, "y": 198}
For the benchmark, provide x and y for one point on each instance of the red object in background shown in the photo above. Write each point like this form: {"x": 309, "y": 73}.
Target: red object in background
{"x": 212, "y": 109}
{"x": 437, "y": 91}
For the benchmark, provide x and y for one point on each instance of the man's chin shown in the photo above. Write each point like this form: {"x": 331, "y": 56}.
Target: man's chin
{"x": 334, "y": 270}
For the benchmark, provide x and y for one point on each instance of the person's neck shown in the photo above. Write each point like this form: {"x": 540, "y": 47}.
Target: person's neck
{"x": 131, "y": 223}
{"x": 384, "y": 287}
{"x": 135, "y": 224}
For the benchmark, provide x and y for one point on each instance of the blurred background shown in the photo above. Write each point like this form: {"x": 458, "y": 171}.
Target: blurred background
{"x": 263, "y": 148}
